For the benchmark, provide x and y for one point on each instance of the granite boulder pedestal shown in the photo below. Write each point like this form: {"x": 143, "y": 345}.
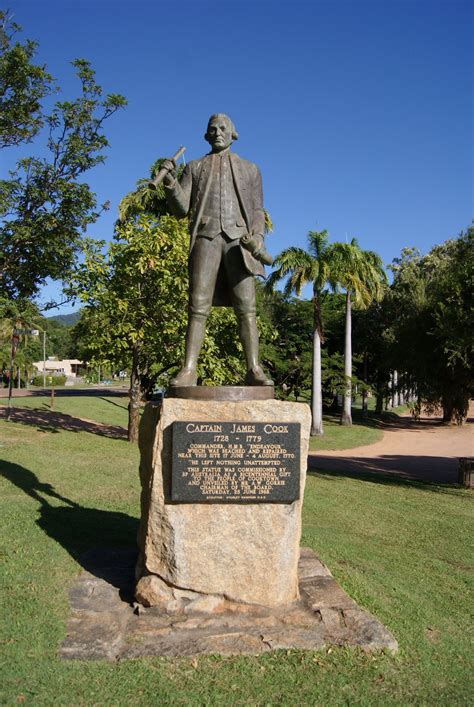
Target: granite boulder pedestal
{"x": 239, "y": 542}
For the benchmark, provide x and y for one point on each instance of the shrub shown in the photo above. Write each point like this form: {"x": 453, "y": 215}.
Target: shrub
{"x": 50, "y": 380}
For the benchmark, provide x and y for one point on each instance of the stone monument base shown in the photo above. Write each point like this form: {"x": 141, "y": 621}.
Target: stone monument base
{"x": 105, "y": 624}
{"x": 242, "y": 543}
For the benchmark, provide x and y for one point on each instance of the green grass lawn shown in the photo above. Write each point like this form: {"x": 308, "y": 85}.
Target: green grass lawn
{"x": 110, "y": 410}
{"x": 336, "y": 436}
{"x": 401, "y": 549}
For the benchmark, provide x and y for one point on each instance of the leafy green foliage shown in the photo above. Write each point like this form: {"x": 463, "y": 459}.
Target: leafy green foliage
{"x": 23, "y": 85}
{"x": 18, "y": 314}
{"x": 299, "y": 268}
{"x": 361, "y": 274}
{"x": 50, "y": 380}
{"x": 23, "y": 314}
{"x": 134, "y": 297}
{"x": 44, "y": 206}
{"x": 221, "y": 361}
{"x": 432, "y": 305}
{"x": 287, "y": 352}
{"x": 374, "y": 346}
{"x": 144, "y": 200}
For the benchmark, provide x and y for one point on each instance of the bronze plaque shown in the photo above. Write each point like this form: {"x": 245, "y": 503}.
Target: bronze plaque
{"x": 236, "y": 462}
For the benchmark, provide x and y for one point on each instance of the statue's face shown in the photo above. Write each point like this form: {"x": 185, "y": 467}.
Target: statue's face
{"x": 219, "y": 134}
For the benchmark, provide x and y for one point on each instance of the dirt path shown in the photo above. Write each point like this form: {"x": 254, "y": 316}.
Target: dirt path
{"x": 425, "y": 450}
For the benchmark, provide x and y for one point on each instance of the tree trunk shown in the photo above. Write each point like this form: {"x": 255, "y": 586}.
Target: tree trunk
{"x": 135, "y": 395}
{"x": 346, "y": 417}
{"x": 317, "y": 392}
{"x": 365, "y": 407}
{"x": 395, "y": 401}
{"x": 379, "y": 402}
{"x": 448, "y": 415}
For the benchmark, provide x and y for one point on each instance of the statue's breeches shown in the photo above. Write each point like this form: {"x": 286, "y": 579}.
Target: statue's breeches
{"x": 207, "y": 257}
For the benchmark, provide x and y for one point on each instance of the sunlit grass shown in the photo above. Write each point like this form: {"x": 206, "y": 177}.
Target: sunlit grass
{"x": 401, "y": 549}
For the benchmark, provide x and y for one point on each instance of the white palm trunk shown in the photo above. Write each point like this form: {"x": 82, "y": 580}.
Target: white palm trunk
{"x": 346, "y": 416}
{"x": 317, "y": 394}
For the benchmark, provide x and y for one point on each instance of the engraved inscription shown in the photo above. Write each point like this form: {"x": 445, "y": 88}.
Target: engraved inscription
{"x": 235, "y": 462}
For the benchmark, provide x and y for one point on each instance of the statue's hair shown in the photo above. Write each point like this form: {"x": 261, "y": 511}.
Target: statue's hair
{"x": 217, "y": 116}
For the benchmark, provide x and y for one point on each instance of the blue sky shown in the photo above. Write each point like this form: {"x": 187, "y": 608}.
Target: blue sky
{"x": 359, "y": 114}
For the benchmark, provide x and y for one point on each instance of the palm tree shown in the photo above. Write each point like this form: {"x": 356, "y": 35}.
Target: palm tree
{"x": 362, "y": 275}
{"x": 302, "y": 267}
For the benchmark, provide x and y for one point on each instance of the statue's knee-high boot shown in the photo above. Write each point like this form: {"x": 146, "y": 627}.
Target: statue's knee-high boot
{"x": 248, "y": 333}
{"x": 194, "y": 338}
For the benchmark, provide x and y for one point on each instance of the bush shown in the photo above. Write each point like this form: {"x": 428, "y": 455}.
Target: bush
{"x": 50, "y": 380}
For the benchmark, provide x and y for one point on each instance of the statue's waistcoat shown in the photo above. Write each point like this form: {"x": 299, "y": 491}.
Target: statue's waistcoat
{"x": 222, "y": 212}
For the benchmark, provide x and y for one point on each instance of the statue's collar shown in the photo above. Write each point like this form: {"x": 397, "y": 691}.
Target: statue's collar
{"x": 227, "y": 151}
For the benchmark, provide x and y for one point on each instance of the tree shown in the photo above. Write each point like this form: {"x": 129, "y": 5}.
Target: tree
{"x": 361, "y": 274}
{"x": 134, "y": 316}
{"x": 23, "y": 86}
{"x": 450, "y": 295}
{"x": 286, "y": 349}
{"x": 302, "y": 267}
{"x": 374, "y": 342}
{"x": 433, "y": 323}
{"x": 18, "y": 315}
{"x": 45, "y": 208}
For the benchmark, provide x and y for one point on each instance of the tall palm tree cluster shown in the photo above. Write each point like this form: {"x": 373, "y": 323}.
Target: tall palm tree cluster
{"x": 330, "y": 267}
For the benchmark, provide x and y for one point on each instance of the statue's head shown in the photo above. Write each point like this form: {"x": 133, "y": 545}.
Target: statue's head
{"x": 221, "y": 132}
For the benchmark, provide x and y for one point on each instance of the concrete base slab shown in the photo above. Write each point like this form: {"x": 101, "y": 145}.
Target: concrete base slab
{"x": 105, "y": 623}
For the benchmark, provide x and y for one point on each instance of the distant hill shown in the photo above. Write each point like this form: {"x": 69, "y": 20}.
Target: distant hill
{"x": 66, "y": 319}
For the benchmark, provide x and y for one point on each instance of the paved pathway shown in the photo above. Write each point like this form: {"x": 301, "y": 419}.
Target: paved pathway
{"x": 425, "y": 450}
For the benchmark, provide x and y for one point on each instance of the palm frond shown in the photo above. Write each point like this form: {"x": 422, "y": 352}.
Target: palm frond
{"x": 295, "y": 264}
{"x": 318, "y": 243}
{"x": 268, "y": 222}
{"x": 358, "y": 271}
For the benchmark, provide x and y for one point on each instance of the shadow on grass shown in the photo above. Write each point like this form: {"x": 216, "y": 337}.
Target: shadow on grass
{"x": 50, "y": 421}
{"x": 393, "y": 420}
{"x": 83, "y": 532}
{"x": 437, "y": 474}
{"x": 388, "y": 420}
{"x": 122, "y": 407}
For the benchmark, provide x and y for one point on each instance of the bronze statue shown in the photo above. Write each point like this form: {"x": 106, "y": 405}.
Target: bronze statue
{"x": 222, "y": 195}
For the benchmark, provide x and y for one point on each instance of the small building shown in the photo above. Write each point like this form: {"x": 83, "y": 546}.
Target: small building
{"x": 68, "y": 367}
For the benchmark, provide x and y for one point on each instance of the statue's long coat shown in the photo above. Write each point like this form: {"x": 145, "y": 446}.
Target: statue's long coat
{"x": 188, "y": 198}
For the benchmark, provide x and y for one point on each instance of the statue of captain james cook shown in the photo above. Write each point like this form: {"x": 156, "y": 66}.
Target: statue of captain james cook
{"x": 222, "y": 194}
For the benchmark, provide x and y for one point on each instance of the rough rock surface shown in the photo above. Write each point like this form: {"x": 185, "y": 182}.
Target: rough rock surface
{"x": 106, "y": 624}
{"x": 242, "y": 552}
